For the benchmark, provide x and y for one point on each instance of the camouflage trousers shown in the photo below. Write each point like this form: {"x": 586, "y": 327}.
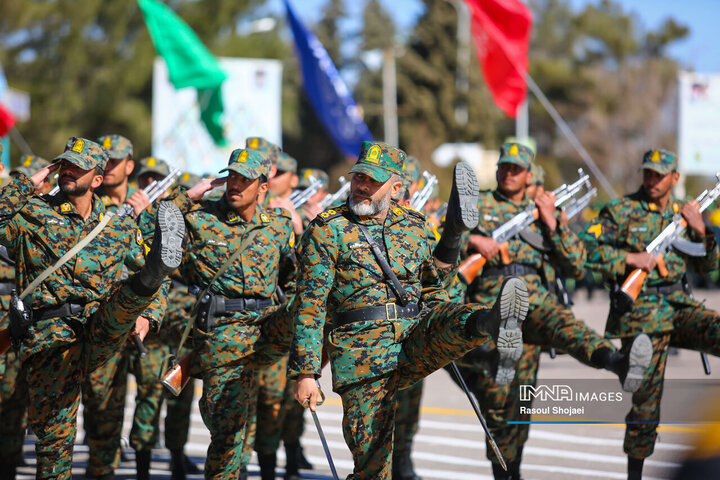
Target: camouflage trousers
{"x": 407, "y": 417}
{"x": 501, "y": 404}
{"x": 369, "y": 406}
{"x": 55, "y": 376}
{"x": 230, "y": 393}
{"x": 104, "y": 393}
{"x": 13, "y": 407}
{"x": 177, "y": 419}
{"x": 695, "y": 328}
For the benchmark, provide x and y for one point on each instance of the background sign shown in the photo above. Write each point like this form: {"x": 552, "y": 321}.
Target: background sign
{"x": 252, "y": 99}
{"x": 698, "y": 139}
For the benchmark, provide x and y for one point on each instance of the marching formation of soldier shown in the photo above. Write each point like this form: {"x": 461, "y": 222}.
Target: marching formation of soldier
{"x": 254, "y": 280}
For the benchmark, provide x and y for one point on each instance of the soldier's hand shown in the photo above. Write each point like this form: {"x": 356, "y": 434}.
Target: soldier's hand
{"x": 545, "y": 203}
{"x": 642, "y": 260}
{"x": 139, "y": 201}
{"x": 142, "y": 327}
{"x": 691, "y": 213}
{"x": 42, "y": 175}
{"x": 203, "y": 186}
{"x": 486, "y": 246}
{"x": 306, "y": 390}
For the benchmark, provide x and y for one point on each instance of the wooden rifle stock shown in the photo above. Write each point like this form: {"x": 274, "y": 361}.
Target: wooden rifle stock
{"x": 634, "y": 282}
{"x": 179, "y": 375}
{"x": 471, "y": 266}
{"x": 4, "y": 340}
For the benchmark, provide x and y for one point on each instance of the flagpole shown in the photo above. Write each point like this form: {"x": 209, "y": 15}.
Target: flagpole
{"x": 20, "y": 141}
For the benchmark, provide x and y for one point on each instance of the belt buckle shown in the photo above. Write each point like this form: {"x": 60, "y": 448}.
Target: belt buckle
{"x": 394, "y": 311}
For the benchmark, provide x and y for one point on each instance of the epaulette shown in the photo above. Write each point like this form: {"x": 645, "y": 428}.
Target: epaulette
{"x": 281, "y": 212}
{"x": 332, "y": 213}
{"x": 417, "y": 213}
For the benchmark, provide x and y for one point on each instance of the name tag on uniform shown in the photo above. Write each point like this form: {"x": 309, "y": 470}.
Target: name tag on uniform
{"x": 639, "y": 229}
{"x": 490, "y": 218}
{"x": 357, "y": 245}
{"x": 55, "y": 221}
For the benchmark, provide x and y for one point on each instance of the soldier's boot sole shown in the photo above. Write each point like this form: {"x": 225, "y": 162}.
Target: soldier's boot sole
{"x": 638, "y": 362}
{"x": 466, "y": 188}
{"x": 510, "y": 311}
{"x": 171, "y": 224}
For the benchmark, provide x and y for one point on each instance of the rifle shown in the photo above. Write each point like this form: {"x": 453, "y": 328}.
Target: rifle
{"x": 421, "y": 197}
{"x": 470, "y": 268}
{"x": 669, "y": 237}
{"x": 179, "y": 375}
{"x": 577, "y": 205}
{"x": 301, "y": 197}
{"x": 341, "y": 194}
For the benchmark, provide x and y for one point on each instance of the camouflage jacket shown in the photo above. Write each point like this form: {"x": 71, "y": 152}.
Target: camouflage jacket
{"x": 628, "y": 225}
{"x": 38, "y": 230}
{"x": 339, "y": 273}
{"x": 566, "y": 251}
{"x": 215, "y": 232}
{"x": 7, "y": 275}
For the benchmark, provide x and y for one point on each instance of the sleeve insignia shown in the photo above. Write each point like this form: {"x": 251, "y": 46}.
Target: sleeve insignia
{"x": 595, "y": 230}
{"x": 292, "y": 240}
{"x": 139, "y": 237}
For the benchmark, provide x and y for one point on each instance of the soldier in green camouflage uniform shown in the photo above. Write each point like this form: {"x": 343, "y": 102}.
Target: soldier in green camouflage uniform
{"x": 616, "y": 243}
{"x": 312, "y": 209}
{"x": 548, "y": 322}
{"x": 83, "y": 312}
{"x": 251, "y": 331}
{"x": 381, "y": 340}
{"x": 13, "y": 389}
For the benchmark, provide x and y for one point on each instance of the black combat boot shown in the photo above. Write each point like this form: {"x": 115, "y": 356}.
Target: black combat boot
{"x": 267, "y": 462}
{"x": 629, "y": 367}
{"x": 403, "y": 467}
{"x": 243, "y": 473}
{"x": 635, "y": 466}
{"x": 504, "y": 323}
{"x": 166, "y": 252}
{"x": 294, "y": 454}
{"x": 190, "y": 466}
{"x": 462, "y": 213}
{"x": 177, "y": 465}
{"x": 142, "y": 464}
{"x": 7, "y": 471}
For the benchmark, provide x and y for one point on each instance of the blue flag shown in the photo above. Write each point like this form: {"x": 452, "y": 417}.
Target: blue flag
{"x": 326, "y": 91}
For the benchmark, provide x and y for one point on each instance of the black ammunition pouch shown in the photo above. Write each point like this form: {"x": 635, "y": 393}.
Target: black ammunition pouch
{"x": 21, "y": 318}
{"x": 212, "y": 306}
{"x": 514, "y": 269}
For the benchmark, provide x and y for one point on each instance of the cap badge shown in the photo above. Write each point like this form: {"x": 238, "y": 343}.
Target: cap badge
{"x": 243, "y": 156}
{"x": 373, "y": 154}
{"x": 28, "y": 161}
{"x": 151, "y": 162}
{"x": 107, "y": 143}
{"x": 254, "y": 142}
{"x": 655, "y": 158}
{"x": 78, "y": 147}
{"x": 513, "y": 150}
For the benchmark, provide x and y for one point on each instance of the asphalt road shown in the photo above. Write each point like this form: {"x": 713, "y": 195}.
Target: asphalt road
{"x": 450, "y": 443}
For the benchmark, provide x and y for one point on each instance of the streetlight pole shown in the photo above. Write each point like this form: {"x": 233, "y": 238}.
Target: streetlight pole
{"x": 462, "y": 77}
{"x": 389, "y": 81}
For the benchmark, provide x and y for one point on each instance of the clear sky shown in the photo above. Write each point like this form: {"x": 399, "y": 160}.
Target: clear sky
{"x": 700, "y": 51}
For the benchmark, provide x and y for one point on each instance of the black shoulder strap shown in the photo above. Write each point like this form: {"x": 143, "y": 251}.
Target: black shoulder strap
{"x": 395, "y": 284}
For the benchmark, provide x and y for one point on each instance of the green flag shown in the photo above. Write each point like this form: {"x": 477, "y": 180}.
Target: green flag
{"x": 189, "y": 63}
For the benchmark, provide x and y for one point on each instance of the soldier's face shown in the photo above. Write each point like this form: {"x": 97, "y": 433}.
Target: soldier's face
{"x": 117, "y": 170}
{"x": 283, "y": 183}
{"x": 242, "y": 192}
{"x": 147, "y": 178}
{"x": 512, "y": 178}
{"x": 74, "y": 181}
{"x": 369, "y": 197}
{"x": 657, "y": 185}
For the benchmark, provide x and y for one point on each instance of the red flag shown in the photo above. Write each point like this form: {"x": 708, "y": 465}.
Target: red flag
{"x": 7, "y": 121}
{"x": 501, "y": 29}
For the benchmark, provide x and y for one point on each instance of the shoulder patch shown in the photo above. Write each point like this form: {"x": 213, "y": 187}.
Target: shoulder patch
{"x": 595, "y": 230}
{"x": 417, "y": 213}
{"x": 138, "y": 237}
{"x": 291, "y": 242}
{"x": 333, "y": 213}
{"x": 264, "y": 218}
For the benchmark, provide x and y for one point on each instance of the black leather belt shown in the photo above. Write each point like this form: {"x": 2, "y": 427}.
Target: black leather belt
{"x": 247, "y": 304}
{"x": 64, "y": 310}
{"x": 6, "y": 288}
{"x": 662, "y": 289}
{"x": 515, "y": 269}
{"x": 389, "y": 311}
